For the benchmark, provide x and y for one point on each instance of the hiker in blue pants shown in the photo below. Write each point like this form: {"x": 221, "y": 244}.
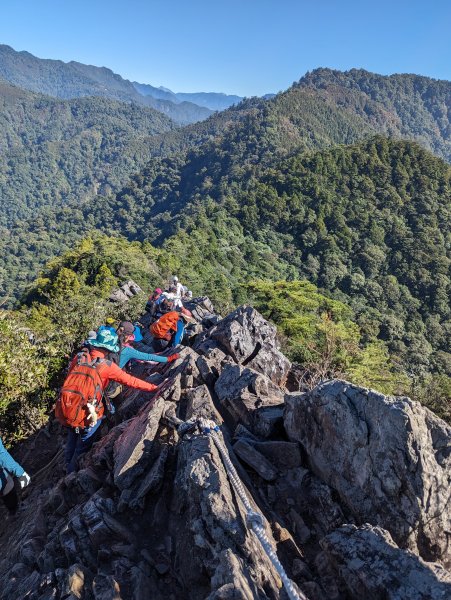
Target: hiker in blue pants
{"x": 78, "y": 443}
{"x": 9, "y": 469}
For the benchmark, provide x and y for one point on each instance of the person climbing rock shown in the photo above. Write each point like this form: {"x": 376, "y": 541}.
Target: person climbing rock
{"x": 168, "y": 330}
{"x": 150, "y": 306}
{"x": 126, "y": 334}
{"x": 110, "y": 325}
{"x": 10, "y": 469}
{"x": 164, "y": 304}
{"x": 80, "y": 406}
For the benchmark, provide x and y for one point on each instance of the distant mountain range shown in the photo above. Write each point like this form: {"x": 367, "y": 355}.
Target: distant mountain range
{"x": 75, "y": 80}
{"x": 211, "y": 100}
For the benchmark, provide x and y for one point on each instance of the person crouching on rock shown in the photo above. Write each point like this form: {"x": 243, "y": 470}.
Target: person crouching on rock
{"x": 126, "y": 333}
{"x": 10, "y": 469}
{"x": 80, "y": 405}
{"x": 168, "y": 331}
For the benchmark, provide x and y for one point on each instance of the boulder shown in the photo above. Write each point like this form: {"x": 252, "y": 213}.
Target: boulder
{"x": 368, "y": 564}
{"x": 118, "y": 296}
{"x": 283, "y": 455}
{"x": 250, "y": 340}
{"x": 388, "y": 458}
{"x": 214, "y": 532}
{"x": 200, "y": 405}
{"x": 241, "y": 391}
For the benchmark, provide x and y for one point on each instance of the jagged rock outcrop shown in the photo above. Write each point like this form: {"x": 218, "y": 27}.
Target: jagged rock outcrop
{"x": 389, "y": 459}
{"x": 368, "y": 564}
{"x": 250, "y": 341}
{"x": 151, "y": 513}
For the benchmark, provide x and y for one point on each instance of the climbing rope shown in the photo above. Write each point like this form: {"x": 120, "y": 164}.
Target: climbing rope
{"x": 254, "y": 519}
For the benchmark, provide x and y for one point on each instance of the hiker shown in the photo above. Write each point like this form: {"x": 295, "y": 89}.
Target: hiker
{"x": 9, "y": 469}
{"x": 164, "y": 304}
{"x": 152, "y": 299}
{"x": 169, "y": 329}
{"x": 110, "y": 325}
{"x": 179, "y": 292}
{"x": 80, "y": 405}
{"x": 126, "y": 333}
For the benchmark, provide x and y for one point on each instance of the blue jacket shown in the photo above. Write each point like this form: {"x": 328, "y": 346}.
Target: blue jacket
{"x": 128, "y": 353}
{"x": 8, "y": 463}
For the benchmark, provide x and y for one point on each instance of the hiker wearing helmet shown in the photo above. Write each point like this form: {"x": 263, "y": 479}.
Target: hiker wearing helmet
{"x": 127, "y": 333}
{"x": 80, "y": 405}
{"x": 169, "y": 329}
{"x": 10, "y": 469}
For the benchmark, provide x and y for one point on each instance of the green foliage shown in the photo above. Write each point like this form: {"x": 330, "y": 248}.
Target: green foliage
{"x": 434, "y": 391}
{"x": 23, "y": 375}
{"x": 320, "y": 334}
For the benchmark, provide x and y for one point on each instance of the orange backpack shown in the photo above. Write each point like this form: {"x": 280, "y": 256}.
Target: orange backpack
{"x": 161, "y": 328}
{"x": 82, "y": 385}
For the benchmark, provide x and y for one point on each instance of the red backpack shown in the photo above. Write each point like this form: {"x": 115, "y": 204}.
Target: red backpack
{"x": 82, "y": 385}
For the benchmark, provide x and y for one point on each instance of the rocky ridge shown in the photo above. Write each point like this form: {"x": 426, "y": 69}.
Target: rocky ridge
{"x": 354, "y": 487}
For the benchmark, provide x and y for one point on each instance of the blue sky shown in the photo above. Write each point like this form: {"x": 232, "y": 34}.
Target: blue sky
{"x": 247, "y": 47}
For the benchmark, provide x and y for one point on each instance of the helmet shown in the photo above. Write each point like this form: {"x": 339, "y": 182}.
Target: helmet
{"x": 175, "y": 278}
{"x": 158, "y": 291}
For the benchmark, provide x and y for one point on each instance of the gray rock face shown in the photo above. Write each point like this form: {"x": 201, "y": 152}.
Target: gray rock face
{"x": 250, "y": 340}
{"x": 255, "y": 459}
{"x": 368, "y": 564}
{"x": 241, "y": 391}
{"x": 133, "y": 447}
{"x": 389, "y": 459}
{"x": 222, "y": 545}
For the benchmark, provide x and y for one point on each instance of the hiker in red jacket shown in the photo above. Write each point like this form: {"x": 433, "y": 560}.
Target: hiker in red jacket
{"x": 80, "y": 405}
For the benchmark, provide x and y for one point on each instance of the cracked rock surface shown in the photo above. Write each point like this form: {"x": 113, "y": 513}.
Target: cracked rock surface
{"x": 353, "y": 487}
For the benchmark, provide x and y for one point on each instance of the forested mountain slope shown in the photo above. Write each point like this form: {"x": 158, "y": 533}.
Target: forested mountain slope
{"x": 55, "y": 151}
{"x": 369, "y": 223}
{"x": 76, "y": 80}
{"x": 404, "y": 105}
{"x": 311, "y": 114}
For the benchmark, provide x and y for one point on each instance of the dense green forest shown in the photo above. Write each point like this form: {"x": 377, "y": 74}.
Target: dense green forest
{"x": 369, "y": 223}
{"x": 54, "y": 152}
{"x": 61, "y": 151}
{"x": 399, "y": 105}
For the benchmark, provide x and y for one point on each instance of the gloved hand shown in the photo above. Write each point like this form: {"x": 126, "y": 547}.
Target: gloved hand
{"x": 24, "y": 480}
{"x": 92, "y": 417}
{"x": 173, "y": 357}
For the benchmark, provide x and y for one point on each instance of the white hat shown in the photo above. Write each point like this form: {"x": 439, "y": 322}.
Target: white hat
{"x": 175, "y": 278}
